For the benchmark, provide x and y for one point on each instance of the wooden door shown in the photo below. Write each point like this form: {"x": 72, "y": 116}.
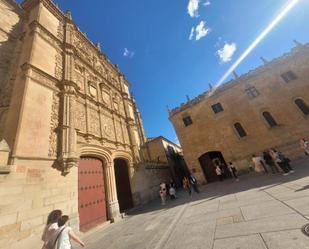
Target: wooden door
{"x": 91, "y": 193}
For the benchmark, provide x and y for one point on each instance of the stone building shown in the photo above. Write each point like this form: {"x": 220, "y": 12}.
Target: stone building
{"x": 70, "y": 131}
{"x": 160, "y": 149}
{"x": 265, "y": 108}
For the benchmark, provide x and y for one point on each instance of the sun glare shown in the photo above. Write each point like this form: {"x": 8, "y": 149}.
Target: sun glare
{"x": 271, "y": 25}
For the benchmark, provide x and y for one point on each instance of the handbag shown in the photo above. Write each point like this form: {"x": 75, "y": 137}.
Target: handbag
{"x": 51, "y": 243}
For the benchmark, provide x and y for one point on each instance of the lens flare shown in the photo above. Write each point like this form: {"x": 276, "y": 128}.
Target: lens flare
{"x": 272, "y": 24}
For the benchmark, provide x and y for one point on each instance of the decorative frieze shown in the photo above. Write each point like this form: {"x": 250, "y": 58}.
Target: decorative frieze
{"x": 58, "y": 66}
{"x": 54, "y": 123}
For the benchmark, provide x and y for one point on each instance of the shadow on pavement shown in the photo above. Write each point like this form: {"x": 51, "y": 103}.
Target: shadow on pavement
{"x": 215, "y": 190}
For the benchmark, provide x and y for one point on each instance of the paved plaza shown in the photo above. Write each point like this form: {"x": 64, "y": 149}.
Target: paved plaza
{"x": 258, "y": 212}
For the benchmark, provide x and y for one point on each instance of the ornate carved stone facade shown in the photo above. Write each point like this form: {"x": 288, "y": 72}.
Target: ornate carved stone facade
{"x": 64, "y": 101}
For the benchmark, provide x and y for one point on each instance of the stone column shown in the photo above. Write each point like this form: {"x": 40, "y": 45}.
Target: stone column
{"x": 112, "y": 199}
{"x": 67, "y": 157}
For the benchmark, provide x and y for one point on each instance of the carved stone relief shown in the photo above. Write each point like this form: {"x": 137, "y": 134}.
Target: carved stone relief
{"x": 83, "y": 49}
{"x": 60, "y": 31}
{"x": 80, "y": 117}
{"x": 54, "y": 122}
{"x": 125, "y": 134}
{"x": 106, "y": 98}
{"x": 94, "y": 122}
{"x": 92, "y": 90}
{"x": 79, "y": 76}
{"x": 118, "y": 131}
{"x": 59, "y": 66}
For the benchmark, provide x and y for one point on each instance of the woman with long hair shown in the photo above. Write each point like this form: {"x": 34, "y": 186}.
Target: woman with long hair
{"x": 51, "y": 226}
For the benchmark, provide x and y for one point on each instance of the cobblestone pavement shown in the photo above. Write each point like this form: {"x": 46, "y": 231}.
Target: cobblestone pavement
{"x": 258, "y": 212}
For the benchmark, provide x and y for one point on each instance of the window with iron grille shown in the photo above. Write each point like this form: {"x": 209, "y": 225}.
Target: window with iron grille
{"x": 217, "y": 108}
{"x": 288, "y": 76}
{"x": 252, "y": 92}
{"x": 187, "y": 121}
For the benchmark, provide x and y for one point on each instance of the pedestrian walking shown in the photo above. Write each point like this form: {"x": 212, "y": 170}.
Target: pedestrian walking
{"x": 269, "y": 161}
{"x": 62, "y": 239}
{"x": 163, "y": 193}
{"x": 233, "y": 171}
{"x": 219, "y": 173}
{"x": 193, "y": 183}
{"x": 286, "y": 161}
{"x": 259, "y": 164}
{"x": 304, "y": 144}
{"x": 51, "y": 226}
{"x": 186, "y": 184}
{"x": 278, "y": 161}
{"x": 172, "y": 192}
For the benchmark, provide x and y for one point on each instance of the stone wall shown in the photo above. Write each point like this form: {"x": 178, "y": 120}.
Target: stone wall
{"x": 27, "y": 195}
{"x": 146, "y": 182}
{"x": 11, "y": 27}
{"x": 216, "y": 132}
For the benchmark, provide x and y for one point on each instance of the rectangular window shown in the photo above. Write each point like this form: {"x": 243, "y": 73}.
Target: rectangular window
{"x": 217, "y": 108}
{"x": 252, "y": 92}
{"x": 187, "y": 121}
{"x": 288, "y": 76}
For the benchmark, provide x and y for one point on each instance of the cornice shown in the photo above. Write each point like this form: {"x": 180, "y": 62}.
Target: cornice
{"x": 40, "y": 77}
{"x": 101, "y": 139}
{"x": 36, "y": 27}
{"x": 29, "y": 4}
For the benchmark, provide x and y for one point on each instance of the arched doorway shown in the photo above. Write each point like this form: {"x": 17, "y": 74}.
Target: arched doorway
{"x": 208, "y": 163}
{"x": 123, "y": 186}
{"x": 91, "y": 193}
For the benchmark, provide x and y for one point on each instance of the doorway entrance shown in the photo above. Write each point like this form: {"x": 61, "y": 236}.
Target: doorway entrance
{"x": 208, "y": 163}
{"x": 91, "y": 193}
{"x": 123, "y": 186}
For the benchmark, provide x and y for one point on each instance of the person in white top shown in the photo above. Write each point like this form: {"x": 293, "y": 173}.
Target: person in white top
{"x": 219, "y": 173}
{"x": 259, "y": 164}
{"x": 304, "y": 143}
{"x": 62, "y": 239}
{"x": 51, "y": 226}
{"x": 172, "y": 192}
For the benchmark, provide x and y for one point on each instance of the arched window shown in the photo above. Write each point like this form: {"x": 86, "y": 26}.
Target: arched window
{"x": 302, "y": 106}
{"x": 240, "y": 130}
{"x": 269, "y": 119}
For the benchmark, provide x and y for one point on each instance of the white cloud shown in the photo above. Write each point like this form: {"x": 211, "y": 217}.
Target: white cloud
{"x": 193, "y": 6}
{"x": 226, "y": 53}
{"x": 191, "y": 34}
{"x": 207, "y": 3}
{"x": 201, "y": 30}
{"x": 128, "y": 53}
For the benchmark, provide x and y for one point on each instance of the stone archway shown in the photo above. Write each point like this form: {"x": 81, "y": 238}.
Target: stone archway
{"x": 104, "y": 156}
{"x": 123, "y": 185}
{"x": 208, "y": 163}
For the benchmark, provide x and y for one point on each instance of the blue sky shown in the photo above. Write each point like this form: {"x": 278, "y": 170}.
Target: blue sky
{"x": 150, "y": 42}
